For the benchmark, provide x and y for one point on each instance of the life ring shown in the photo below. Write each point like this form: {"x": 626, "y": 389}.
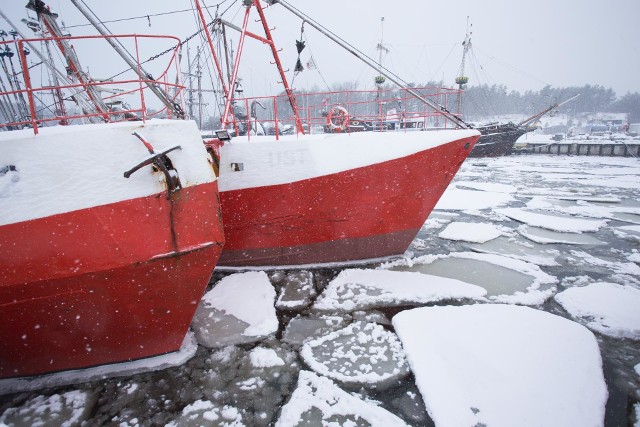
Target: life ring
{"x": 338, "y": 119}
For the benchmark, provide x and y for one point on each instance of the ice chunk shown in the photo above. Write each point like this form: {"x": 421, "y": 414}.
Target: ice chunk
{"x": 297, "y": 291}
{"x": 239, "y": 309}
{"x": 318, "y": 401}
{"x": 357, "y": 289}
{"x": 360, "y": 354}
{"x": 479, "y": 232}
{"x": 498, "y": 365}
{"x": 608, "y": 308}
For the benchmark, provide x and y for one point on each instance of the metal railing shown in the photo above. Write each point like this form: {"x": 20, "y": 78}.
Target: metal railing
{"x": 382, "y": 110}
{"x": 73, "y": 98}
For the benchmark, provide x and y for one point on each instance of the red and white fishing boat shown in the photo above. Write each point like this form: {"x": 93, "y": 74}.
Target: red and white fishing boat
{"x": 109, "y": 231}
{"x": 340, "y": 196}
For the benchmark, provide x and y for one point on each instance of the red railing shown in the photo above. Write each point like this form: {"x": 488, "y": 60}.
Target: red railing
{"x": 366, "y": 110}
{"x": 19, "y": 88}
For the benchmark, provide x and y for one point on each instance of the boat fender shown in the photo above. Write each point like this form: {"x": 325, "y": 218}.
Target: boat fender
{"x": 338, "y": 119}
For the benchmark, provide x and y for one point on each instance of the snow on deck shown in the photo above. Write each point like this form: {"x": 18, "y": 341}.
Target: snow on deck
{"x": 498, "y": 365}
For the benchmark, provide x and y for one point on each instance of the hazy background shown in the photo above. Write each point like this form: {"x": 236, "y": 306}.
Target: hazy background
{"x": 522, "y": 45}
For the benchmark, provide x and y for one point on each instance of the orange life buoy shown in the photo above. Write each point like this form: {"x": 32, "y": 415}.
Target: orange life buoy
{"x": 338, "y": 119}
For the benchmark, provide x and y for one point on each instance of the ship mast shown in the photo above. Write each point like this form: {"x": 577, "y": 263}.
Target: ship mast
{"x": 462, "y": 80}
{"x": 536, "y": 116}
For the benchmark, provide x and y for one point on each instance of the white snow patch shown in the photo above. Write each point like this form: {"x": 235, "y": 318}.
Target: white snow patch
{"x": 265, "y": 358}
{"x": 498, "y": 365}
{"x": 67, "y": 409}
{"x": 608, "y": 308}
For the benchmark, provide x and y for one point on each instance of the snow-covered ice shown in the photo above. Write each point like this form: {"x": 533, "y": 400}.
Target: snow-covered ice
{"x": 360, "y": 354}
{"x": 608, "y": 308}
{"x": 555, "y": 222}
{"x": 239, "y": 309}
{"x": 499, "y": 365}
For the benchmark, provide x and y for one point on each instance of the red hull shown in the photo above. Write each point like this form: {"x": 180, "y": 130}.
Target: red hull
{"x": 368, "y": 212}
{"x": 106, "y": 284}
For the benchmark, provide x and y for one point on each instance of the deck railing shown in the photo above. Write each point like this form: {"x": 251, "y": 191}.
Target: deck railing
{"x": 346, "y": 111}
{"x": 77, "y": 96}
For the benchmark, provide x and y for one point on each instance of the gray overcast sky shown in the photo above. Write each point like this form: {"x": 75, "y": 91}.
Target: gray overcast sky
{"x": 522, "y": 45}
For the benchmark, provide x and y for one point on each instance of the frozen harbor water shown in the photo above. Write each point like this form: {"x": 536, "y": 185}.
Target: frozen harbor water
{"x": 539, "y": 298}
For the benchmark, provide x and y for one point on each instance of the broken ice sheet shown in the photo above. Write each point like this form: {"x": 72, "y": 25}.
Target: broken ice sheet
{"x": 498, "y": 365}
{"x": 358, "y": 289}
{"x": 629, "y": 232}
{"x": 555, "y": 222}
{"x": 361, "y": 354}
{"x": 318, "y": 401}
{"x": 239, "y": 309}
{"x": 608, "y": 308}
{"x": 505, "y": 279}
{"x": 518, "y": 248}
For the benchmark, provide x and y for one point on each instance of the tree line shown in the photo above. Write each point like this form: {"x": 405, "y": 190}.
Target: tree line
{"x": 483, "y": 101}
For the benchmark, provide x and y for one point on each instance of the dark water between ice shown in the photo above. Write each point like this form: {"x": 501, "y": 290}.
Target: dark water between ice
{"x": 226, "y": 376}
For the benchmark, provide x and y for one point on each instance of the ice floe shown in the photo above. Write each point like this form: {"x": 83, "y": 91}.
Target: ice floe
{"x": 359, "y": 354}
{"x": 616, "y": 267}
{"x": 608, "y": 308}
{"x": 505, "y": 279}
{"x": 555, "y": 222}
{"x": 239, "y": 309}
{"x": 631, "y": 232}
{"x": 498, "y": 365}
{"x": 297, "y": 291}
{"x": 318, "y": 401}
{"x": 474, "y": 232}
{"x": 357, "y": 289}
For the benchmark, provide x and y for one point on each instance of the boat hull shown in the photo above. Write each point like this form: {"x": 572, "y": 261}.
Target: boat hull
{"x": 363, "y": 213}
{"x": 497, "y": 144}
{"x": 117, "y": 279}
